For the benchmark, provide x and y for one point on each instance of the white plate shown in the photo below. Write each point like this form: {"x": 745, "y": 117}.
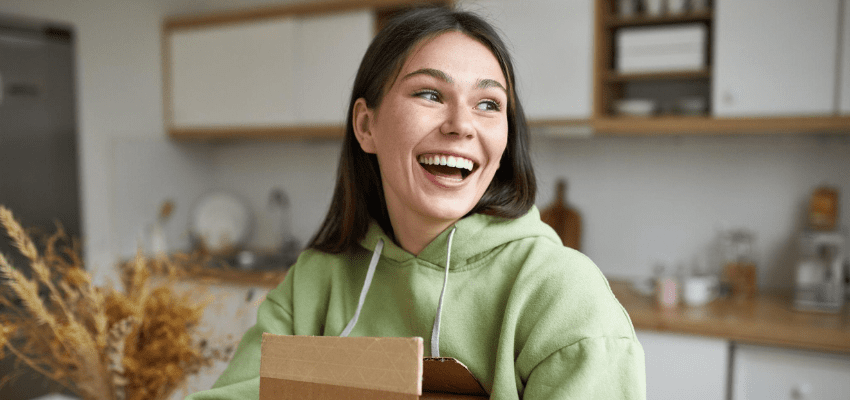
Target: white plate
{"x": 221, "y": 220}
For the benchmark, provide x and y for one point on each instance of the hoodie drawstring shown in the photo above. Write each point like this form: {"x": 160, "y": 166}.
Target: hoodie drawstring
{"x": 369, "y": 275}
{"x": 376, "y": 256}
{"x": 435, "y": 331}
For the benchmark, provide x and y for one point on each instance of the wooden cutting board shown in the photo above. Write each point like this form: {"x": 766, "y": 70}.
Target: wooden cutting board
{"x": 565, "y": 220}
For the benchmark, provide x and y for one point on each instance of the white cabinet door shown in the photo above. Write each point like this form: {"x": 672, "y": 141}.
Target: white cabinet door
{"x": 844, "y": 102}
{"x": 775, "y": 57}
{"x": 329, "y": 50}
{"x": 233, "y": 75}
{"x": 783, "y": 374}
{"x": 551, "y": 42}
{"x": 684, "y": 367}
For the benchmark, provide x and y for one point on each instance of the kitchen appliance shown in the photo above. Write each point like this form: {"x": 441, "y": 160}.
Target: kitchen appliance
{"x": 39, "y": 181}
{"x": 819, "y": 283}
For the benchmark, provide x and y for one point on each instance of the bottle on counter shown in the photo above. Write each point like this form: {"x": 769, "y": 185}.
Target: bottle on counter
{"x": 666, "y": 287}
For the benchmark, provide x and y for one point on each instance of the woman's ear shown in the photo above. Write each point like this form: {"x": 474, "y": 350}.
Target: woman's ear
{"x": 361, "y": 118}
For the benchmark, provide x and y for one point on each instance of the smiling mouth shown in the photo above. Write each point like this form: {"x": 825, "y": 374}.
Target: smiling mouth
{"x": 451, "y": 167}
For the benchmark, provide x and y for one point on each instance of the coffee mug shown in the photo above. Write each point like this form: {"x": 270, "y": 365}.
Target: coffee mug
{"x": 700, "y": 290}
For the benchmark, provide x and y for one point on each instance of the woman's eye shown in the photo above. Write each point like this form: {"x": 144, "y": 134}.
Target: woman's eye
{"x": 429, "y": 95}
{"x": 489, "y": 105}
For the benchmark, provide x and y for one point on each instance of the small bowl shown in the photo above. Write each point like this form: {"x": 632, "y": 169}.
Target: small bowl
{"x": 635, "y": 107}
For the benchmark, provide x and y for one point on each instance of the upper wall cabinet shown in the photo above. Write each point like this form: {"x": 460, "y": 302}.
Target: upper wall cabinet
{"x": 281, "y": 75}
{"x": 775, "y": 57}
{"x": 329, "y": 51}
{"x": 551, "y": 42}
{"x": 845, "y": 63}
{"x": 234, "y": 75}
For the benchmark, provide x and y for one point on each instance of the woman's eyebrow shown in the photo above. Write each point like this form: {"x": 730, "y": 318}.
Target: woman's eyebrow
{"x": 481, "y": 84}
{"x": 488, "y": 83}
{"x": 430, "y": 72}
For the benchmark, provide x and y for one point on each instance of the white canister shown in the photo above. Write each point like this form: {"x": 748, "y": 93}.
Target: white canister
{"x": 676, "y": 6}
{"x": 627, "y": 8}
{"x": 654, "y": 7}
{"x": 700, "y": 290}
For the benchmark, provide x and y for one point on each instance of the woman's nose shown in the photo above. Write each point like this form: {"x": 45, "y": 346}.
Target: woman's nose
{"x": 459, "y": 122}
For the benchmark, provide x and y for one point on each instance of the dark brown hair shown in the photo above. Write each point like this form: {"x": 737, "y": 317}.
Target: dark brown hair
{"x": 359, "y": 196}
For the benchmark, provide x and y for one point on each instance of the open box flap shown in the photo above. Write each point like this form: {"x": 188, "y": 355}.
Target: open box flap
{"x": 449, "y": 375}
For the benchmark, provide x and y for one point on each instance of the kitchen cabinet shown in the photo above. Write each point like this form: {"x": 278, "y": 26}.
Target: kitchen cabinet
{"x": 775, "y": 58}
{"x": 280, "y": 72}
{"x": 329, "y": 49}
{"x": 844, "y": 100}
{"x": 684, "y": 366}
{"x": 778, "y": 373}
{"x": 551, "y": 42}
{"x": 233, "y": 75}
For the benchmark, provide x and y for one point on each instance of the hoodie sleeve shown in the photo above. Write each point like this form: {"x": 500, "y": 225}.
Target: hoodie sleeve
{"x": 241, "y": 378}
{"x": 576, "y": 340}
{"x": 594, "y": 368}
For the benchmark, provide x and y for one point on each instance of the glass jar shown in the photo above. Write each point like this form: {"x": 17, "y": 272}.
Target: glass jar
{"x": 739, "y": 268}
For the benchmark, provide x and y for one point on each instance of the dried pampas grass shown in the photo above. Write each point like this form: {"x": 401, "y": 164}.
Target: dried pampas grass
{"x": 100, "y": 343}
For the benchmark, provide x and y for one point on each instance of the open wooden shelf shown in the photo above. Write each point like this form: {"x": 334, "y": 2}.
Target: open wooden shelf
{"x": 662, "y": 87}
{"x": 684, "y": 125}
{"x": 658, "y": 76}
{"x": 614, "y": 21}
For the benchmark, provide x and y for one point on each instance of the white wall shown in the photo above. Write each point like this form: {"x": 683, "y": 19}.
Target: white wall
{"x": 649, "y": 199}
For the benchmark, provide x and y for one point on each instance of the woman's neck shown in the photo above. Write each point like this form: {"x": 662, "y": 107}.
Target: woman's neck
{"x": 414, "y": 232}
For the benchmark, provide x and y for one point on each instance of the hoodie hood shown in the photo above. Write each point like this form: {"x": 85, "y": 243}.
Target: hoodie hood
{"x": 475, "y": 235}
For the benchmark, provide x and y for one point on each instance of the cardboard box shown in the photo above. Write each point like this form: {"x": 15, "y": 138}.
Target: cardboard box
{"x": 329, "y": 367}
{"x": 661, "y": 49}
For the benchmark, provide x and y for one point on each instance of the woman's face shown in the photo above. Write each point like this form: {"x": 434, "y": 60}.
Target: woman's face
{"x": 448, "y": 105}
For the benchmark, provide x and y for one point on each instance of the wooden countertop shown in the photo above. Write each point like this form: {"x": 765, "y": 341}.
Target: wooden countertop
{"x": 230, "y": 276}
{"x": 768, "y": 319}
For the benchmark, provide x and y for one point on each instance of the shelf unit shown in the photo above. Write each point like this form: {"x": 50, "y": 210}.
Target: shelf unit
{"x": 611, "y": 85}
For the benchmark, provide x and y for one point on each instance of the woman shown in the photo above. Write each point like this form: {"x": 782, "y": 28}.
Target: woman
{"x": 432, "y": 232}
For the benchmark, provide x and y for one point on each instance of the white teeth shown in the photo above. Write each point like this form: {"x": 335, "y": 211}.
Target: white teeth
{"x": 449, "y": 161}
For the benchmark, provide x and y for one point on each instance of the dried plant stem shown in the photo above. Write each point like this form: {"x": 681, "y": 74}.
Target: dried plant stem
{"x": 30, "y": 363}
{"x": 99, "y": 343}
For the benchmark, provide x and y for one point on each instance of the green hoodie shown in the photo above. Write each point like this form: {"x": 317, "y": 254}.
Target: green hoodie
{"x": 531, "y": 318}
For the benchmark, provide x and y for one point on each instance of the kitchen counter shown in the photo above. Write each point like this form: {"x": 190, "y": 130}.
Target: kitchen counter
{"x": 768, "y": 319}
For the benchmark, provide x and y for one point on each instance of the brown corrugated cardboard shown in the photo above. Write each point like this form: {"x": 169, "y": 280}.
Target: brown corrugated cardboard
{"x": 328, "y": 367}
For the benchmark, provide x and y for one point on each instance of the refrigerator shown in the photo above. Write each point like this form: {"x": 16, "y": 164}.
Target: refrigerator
{"x": 39, "y": 179}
